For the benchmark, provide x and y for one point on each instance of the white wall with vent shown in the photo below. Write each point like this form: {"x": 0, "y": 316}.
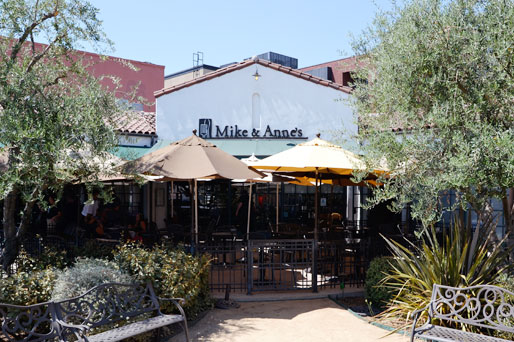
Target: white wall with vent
{"x": 282, "y": 101}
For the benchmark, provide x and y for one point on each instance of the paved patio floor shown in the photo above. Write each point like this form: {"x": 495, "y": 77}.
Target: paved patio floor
{"x": 283, "y": 321}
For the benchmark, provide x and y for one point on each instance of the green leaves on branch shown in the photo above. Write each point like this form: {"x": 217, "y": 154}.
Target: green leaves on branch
{"x": 438, "y": 102}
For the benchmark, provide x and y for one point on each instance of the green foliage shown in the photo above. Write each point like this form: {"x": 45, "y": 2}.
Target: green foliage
{"x": 441, "y": 74}
{"x": 26, "y": 288}
{"x": 174, "y": 273}
{"x": 506, "y": 281}
{"x": 456, "y": 261}
{"x": 376, "y": 293}
{"x": 48, "y": 258}
{"x": 86, "y": 274}
{"x": 34, "y": 279}
{"x": 57, "y": 120}
{"x": 92, "y": 249}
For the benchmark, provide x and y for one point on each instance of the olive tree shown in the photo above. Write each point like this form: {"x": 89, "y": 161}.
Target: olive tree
{"x": 435, "y": 103}
{"x": 51, "y": 109}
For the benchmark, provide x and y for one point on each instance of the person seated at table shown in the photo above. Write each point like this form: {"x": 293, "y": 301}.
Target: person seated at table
{"x": 111, "y": 215}
{"x": 54, "y": 218}
{"x": 94, "y": 227}
{"x": 137, "y": 228}
{"x": 335, "y": 219}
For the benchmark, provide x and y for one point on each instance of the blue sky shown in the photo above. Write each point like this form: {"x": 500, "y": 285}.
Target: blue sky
{"x": 168, "y": 32}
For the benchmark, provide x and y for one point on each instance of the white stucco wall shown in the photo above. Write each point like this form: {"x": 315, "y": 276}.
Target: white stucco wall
{"x": 286, "y": 102}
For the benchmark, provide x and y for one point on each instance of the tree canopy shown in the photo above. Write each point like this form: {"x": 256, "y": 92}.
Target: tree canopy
{"x": 435, "y": 101}
{"x": 51, "y": 109}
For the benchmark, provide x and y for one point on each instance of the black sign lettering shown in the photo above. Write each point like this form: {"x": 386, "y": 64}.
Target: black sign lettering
{"x": 220, "y": 133}
{"x": 268, "y": 131}
{"x": 238, "y": 133}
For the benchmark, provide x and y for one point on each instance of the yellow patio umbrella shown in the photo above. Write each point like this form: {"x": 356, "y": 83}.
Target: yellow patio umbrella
{"x": 310, "y": 159}
{"x": 191, "y": 159}
{"x": 307, "y": 161}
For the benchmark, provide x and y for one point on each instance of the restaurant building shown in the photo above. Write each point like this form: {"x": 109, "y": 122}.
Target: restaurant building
{"x": 262, "y": 106}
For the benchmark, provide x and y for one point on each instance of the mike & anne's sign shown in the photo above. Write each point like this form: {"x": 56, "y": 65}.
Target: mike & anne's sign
{"x": 208, "y": 131}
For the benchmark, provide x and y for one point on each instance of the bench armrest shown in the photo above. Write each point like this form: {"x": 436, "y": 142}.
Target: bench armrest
{"x": 415, "y": 315}
{"x": 177, "y": 302}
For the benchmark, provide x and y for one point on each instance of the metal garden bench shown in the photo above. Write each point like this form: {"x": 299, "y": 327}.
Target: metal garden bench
{"x": 99, "y": 314}
{"x": 33, "y": 323}
{"x": 488, "y": 307}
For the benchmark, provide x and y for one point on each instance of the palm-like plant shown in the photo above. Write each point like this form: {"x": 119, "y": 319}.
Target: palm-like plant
{"x": 462, "y": 259}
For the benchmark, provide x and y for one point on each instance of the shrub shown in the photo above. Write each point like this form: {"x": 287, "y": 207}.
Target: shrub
{"x": 458, "y": 261}
{"x": 174, "y": 273}
{"x": 48, "y": 258}
{"x": 92, "y": 249}
{"x": 27, "y": 288}
{"x": 376, "y": 293}
{"x": 34, "y": 277}
{"x": 85, "y": 274}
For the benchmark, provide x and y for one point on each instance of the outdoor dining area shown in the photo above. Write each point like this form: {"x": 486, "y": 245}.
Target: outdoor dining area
{"x": 262, "y": 247}
{"x": 291, "y": 221}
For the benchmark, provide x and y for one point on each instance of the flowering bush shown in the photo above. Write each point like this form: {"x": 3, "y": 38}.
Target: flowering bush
{"x": 27, "y": 288}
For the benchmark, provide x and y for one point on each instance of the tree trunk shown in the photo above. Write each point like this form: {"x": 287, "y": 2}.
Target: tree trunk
{"x": 508, "y": 214}
{"x": 14, "y": 235}
{"x": 11, "y": 247}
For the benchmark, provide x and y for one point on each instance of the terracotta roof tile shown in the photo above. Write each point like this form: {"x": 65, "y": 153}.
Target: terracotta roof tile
{"x": 244, "y": 64}
{"x": 137, "y": 122}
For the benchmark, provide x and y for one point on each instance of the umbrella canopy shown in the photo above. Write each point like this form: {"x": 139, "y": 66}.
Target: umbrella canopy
{"x": 268, "y": 176}
{"x": 313, "y": 156}
{"x": 191, "y": 158}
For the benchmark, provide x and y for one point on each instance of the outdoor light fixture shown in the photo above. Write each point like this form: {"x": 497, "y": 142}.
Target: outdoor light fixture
{"x": 256, "y": 75}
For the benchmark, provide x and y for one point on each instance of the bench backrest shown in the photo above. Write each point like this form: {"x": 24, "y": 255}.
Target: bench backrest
{"x": 108, "y": 303}
{"x": 485, "y": 306}
{"x": 32, "y": 323}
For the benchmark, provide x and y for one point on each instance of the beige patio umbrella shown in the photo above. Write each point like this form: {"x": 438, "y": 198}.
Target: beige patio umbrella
{"x": 191, "y": 159}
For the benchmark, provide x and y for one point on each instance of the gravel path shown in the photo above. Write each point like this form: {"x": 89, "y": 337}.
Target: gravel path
{"x": 298, "y": 321}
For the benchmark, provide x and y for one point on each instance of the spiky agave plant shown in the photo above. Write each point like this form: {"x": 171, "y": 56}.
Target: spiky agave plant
{"x": 462, "y": 259}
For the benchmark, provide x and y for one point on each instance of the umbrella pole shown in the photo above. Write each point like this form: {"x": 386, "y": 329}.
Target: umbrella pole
{"x": 277, "y": 208}
{"x": 191, "y": 202}
{"x": 249, "y": 211}
{"x": 172, "y": 194}
{"x": 196, "y": 212}
{"x": 315, "y": 247}
{"x": 316, "y": 208}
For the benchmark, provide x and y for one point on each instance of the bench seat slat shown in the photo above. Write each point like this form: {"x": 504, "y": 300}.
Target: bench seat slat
{"x": 136, "y": 328}
{"x": 442, "y": 334}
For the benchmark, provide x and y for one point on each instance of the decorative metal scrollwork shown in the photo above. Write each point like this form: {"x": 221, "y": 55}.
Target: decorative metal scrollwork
{"x": 485, "y": 306}
{"x": 27, "y": 323}
{"x": 107, "y": 303}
